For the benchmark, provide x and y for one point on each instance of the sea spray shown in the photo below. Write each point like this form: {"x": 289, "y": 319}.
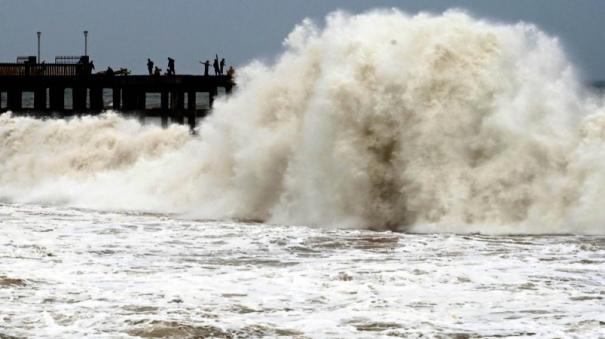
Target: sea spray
{"x": 380, "y": 120}
{"x": 42, "y": 160}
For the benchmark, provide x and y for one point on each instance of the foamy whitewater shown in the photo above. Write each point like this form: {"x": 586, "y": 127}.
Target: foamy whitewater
{"x": 73, "y": 273}
{"x": 381, "y": 120}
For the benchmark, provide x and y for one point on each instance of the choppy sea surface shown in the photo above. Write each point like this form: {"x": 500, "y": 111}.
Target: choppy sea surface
{"x": 72, "y": 273}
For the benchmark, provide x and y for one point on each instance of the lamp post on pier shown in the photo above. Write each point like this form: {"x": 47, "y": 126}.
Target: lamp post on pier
{"x": 85, "y": 43}
{"x": 39, "y": 34}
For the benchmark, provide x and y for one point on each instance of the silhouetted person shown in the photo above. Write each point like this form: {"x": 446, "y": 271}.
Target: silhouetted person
{"x": 222, "y": 66}
{"x": 206, "y": 67}
{"x": 109, "y": 71}
{"x": 217, "y": 70}
{"x": 231, "y": 72}
{"x": 171, "y": 66}
{"x": 157, "y": 71}
{"x": 150, "y": 66}
{"x": 91, "y": 66}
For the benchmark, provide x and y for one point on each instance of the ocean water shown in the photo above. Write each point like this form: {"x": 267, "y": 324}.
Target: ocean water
{"x": 387, "y": 175}
{"x": 68, "y": 272}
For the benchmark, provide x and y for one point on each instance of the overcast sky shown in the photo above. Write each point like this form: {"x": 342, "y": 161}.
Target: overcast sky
{"x": 126, "y": 32}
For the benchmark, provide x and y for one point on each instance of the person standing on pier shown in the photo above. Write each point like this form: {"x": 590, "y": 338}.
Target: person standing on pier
{"x": 217, "y": 70}
{"x": 206, "y": 67}
{"x": 171, "y": 66}
{"x": 222, "y": 66}
{"x": 150, "y": 66}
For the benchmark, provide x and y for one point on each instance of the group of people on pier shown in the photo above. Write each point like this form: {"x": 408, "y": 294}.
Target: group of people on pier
{"x": 157, "y": 70}
{"x": 219, "y": 67}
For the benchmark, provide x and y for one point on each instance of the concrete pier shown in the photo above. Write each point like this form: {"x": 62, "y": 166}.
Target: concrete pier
{"x": 178, "y": 94}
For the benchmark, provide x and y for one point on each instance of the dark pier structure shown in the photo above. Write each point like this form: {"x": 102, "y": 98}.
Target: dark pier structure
{"x": 42, "y": 90}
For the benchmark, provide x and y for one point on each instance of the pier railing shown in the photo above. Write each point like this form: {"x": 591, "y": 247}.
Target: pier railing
{"x": 25, "y": 69}
{"x": 70, "y": 59}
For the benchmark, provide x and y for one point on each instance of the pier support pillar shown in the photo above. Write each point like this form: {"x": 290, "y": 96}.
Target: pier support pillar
{"x": 57, "y": 99}
{"x": 40, "y": 99}
{"x": 141, "y": 100}
{"x": 211, "y": 95}
{"x": 129, "y": 99}
{"x": 191, "y": 101}
{"x": 180, "y": 101}
{"x": 173, "y": 104}
{"x": 177, "y": 103}
{"x": 79, "y": 99}
{"x": 164, "y": 101}
{"x": 164, "y": 108}
{"x": 13, "y": 100}
{"x": 141, "y": 105}
{"x": 117, "y": 99}
{"x": 191, "y": 105}
{"x": 96, "y": 99}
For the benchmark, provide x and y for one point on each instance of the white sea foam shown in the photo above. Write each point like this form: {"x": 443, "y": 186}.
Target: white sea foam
{"x": 379, "y": 120}
{"x": 72, "y": 273}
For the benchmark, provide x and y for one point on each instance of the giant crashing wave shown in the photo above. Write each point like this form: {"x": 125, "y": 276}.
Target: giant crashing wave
{"x": 382, "y": 120}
